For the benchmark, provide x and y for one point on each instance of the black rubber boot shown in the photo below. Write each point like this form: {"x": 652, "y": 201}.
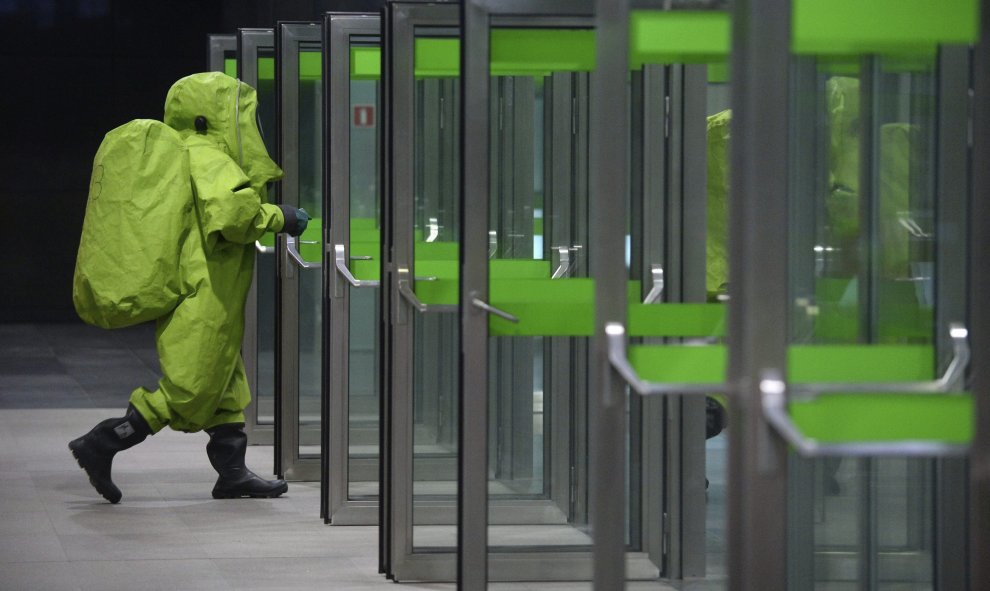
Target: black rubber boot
{"x": 94, "y": 451}
{"x": 226, "y": 450}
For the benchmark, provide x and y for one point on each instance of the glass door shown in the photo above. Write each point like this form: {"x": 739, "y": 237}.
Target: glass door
{"x": 420, "y": 222}
{"x": 530, "y": 302}
{"x": 256, "y": 66}
{"x": 300, "y": 287}
{"x": 877, "y": 130}
{"x": 352, "y": 72}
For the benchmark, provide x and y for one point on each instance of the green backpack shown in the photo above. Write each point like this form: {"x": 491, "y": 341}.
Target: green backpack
{"x": 139, "y": 212}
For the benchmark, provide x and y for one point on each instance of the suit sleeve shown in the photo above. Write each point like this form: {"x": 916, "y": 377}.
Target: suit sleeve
{"x": 229, "y": 208}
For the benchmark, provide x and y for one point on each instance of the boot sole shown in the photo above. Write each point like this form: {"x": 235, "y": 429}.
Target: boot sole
{"x": 255, "y": 495}
{"x": 109, "y": 495}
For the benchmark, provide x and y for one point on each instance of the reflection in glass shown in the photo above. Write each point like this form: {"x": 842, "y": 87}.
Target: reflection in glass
{"x": 310, "y": 173}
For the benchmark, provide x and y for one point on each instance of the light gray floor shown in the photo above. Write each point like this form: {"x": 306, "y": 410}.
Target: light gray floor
{"x": 167, "y": 532}
{"x": 56, "y": 382}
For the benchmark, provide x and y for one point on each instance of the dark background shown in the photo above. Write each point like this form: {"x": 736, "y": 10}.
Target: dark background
{"x": 72, "y": 70}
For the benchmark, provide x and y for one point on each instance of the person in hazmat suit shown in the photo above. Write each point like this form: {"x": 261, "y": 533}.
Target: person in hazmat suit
{"x": 204, "y": 385}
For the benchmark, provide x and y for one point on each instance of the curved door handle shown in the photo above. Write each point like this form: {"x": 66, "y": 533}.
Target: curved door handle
{"x": 407, "y": 293}
{"x": 774, "y": 394}
{"x": 773, "y": 397}
{"x": 946, "y": 383}
{"x": 262, "y": 248}
{"x": 563, "y": 263}
{"x": 340, "y": 262}
{"x": 290, "y": 245}
{"x": 615, "y": 333}
{"x": 657, "y": 289}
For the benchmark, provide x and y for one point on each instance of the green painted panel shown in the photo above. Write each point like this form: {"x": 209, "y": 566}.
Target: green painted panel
{"x": 366, "y": 270}
{"x": 683, "y": 364}
{"x": 856, "y": 27}
{"x": 310, "y": 65}
{"x": 230, "y": 67}
{"x": 437, "y": 57}
{"x": 437, "y": 251}
{"x": 842, "y": 418}
{"x": 443, "y": 291}
{"x": 835, "y": 418}
{"x": 678, "y": 36}
{"x": 366, "y": 63}
{"x": 442, "y": 268}
{"x": 514, "y": 52}
{"x": 266, "y": 68}
{"x": 676, "y": 320}
{"x": 544, "y": 307}
{"x": 366, "y": 248}
{"x": 518, "y": 269}
{"x": 363, "y": 224}
{"x": 520, "y": 52}
{"x": 860, "y": 363}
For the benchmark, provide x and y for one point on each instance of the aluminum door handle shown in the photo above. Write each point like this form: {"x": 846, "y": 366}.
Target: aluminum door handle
{"x": 615, "y": 333}
{"x": 657, "y": 289}
{"x": 774, "y": 396}
{"x": 482, "y": 305}
{"x": 290, "y": 245}
{"x": 564, "y": 263}
{"x": 407, "y": 293}
{"x": 262, "y": 248}
{"x": 340, "y": 262}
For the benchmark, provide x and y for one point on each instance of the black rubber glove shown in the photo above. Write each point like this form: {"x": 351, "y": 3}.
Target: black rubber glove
{"x": 296, "y": 220}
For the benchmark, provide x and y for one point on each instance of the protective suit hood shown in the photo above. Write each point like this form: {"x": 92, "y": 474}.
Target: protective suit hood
{"x": 229, "y": 107}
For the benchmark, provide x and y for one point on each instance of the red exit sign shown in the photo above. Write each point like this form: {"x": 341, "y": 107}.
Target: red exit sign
{"x": 364, "y": 116}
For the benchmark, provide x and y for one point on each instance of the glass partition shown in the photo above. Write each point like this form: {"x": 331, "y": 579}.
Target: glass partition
{"x": 300, "y": 358}
{"x": 256, "y": 66}
{"x": 353, "y": 73}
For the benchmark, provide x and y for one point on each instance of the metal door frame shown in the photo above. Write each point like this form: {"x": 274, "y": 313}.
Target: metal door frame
{"x": 606, "y": 422}
{"x": 249, "y": 41}
{"x": 289, "y": 39}
{"x": 217, "y": 47}
{"x": 979, "y": 316}
{"x": 396, "y": 495}
{"x": 338, "y": 30}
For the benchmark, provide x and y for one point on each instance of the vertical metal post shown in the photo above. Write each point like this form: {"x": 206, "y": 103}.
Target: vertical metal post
{"x": 385, "y": 300}
{"x": 472, "y": 460}
{"x": 609, "y": 194}
{"x": 758, "y": 331}
{"x": 979, "y": 319}
{"x": 951, "y": 202}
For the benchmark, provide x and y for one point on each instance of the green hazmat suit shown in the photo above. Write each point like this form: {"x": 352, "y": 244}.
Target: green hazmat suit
{"x": 899, "y": 153}
{"x": 204, "y": 383}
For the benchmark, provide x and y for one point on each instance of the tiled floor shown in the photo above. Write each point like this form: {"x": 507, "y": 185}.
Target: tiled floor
{"x": 56, "y": 533}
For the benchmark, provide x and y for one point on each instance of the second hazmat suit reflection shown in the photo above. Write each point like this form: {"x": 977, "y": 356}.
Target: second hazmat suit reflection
{"x": 204, "y": 386}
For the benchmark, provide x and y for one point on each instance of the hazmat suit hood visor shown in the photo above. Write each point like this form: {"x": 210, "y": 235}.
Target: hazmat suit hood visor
{"x": 229, "y": 107}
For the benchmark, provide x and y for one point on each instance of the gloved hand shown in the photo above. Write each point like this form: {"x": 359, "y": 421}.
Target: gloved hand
{"x": 296, "y": 220}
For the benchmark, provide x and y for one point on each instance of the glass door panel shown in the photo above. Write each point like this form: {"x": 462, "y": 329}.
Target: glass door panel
{"x": 530, "y": 302}
{"x": 301, "y": 281}
{"x": 353, "y": 74}
{"x": 420, "y": 229}
{"x": 868, "y": 221}
{"x": 256, "y": 66}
